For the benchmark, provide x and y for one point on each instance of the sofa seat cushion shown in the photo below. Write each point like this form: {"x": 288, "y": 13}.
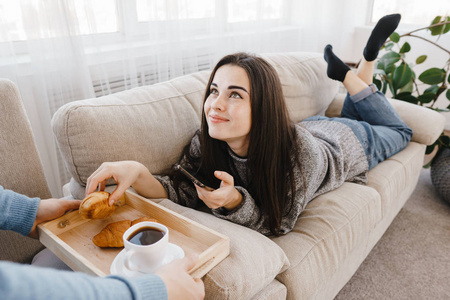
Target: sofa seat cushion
{"x": 253, "y": 263}
{"x": 324, "y": 235}
{"x": 275, "y": 290}
{"x": 397, "y": 175}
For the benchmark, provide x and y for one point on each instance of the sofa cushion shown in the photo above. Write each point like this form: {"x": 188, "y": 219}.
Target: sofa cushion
{"x": 306, "y": 87}
{"x": 396, "y": 175}
{"x": 275, "y": 290}
{"x": 327, "y": 230}
{"x": 253, "y": 263}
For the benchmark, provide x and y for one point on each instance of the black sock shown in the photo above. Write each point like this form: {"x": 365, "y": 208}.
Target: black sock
{"x": 384, "y": 28}
{"x": 337, "y": 69}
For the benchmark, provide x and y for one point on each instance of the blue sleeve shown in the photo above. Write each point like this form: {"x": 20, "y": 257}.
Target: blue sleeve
{"x": 17, "y": 212}
{"x": 29, "y": 282}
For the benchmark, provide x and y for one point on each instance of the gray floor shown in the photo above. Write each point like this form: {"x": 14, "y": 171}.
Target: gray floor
{"x": 412, "y": 259}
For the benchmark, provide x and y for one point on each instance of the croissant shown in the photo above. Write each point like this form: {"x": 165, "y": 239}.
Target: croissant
{"x": 95, "y": 206}
{"x": 112, "y": 234}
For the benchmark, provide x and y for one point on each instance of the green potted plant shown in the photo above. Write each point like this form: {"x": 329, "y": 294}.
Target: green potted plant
{"x": 395, "y": 71}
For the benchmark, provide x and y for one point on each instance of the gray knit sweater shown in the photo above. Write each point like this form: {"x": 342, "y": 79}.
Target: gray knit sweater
{"x": 329, "y": 154}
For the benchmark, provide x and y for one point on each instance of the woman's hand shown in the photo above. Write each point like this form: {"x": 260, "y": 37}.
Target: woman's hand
{"x": 225, "y": 196}
{"x": 50, "y": 209}
{"x": 125, "y": 174}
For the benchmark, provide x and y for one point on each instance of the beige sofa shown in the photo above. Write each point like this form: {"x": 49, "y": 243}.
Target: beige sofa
{"x": 334, "y": 234}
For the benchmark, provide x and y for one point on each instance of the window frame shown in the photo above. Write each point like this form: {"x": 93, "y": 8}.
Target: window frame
{"x": 130, "y": 31}
{"x": 402, "y": 26}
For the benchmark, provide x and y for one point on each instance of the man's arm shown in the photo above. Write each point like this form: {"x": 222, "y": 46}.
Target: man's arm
{"x": 22, "y": 214}
{"x": 29, "y": 282}
{"x": 17, "y": 212}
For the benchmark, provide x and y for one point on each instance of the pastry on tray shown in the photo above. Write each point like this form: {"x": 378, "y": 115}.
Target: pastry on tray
{"x": 96, "y": 206}
{"x": 112, "y": 234}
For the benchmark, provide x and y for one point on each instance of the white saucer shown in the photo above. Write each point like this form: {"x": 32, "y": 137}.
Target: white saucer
{"x": 117, "y": 267}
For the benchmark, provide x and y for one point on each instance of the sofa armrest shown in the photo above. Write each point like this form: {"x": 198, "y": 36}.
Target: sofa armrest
{"x": 21, "y": 169}
{"x": 427, "y": 124}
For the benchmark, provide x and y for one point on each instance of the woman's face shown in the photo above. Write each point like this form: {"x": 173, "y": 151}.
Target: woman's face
{"x": 227, "y": 108}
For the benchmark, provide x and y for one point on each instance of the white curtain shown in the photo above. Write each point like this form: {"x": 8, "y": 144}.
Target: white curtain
{"x": 66, "y": 50}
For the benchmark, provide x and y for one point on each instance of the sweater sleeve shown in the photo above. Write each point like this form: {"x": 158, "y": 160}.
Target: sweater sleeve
{"x": 247, "y": 213}
{"x": 184, "y": 193}
{"x": 30, "y": 282}
{"x": 17, "y": 212}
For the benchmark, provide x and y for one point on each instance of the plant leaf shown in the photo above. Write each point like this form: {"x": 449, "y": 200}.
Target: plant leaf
{"x": 408, "y": 88}
{"x": 379, "y": 66}
{"x": 430, "y": 149}
{"x": 402, "y": 76}
{"x": 438, "y": 30}
{"x": 388, "y": 60}
{"x": 444, "y": 140}
{"x": 389, "y": 46}
{"x": 432, "y": 76}
{"x": 448, "y": 95}
{"x": 395, "y": 37}
{"x": 447, "y": 26}
{"x": 432, "y": 89}
{"x": 406, "y": 96}
{"x": 405, "y": 48}
{"x": 426, "y": 97}
{"x": 391, "y": 84}
{"x": 421, "y": 59}
{"x": 385, "y": 84}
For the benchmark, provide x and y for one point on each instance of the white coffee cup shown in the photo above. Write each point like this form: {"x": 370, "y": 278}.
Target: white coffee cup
{"x": 145, "y": 257}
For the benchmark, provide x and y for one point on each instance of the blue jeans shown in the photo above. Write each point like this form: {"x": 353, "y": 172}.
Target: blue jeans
{"x": 376, "y": 124}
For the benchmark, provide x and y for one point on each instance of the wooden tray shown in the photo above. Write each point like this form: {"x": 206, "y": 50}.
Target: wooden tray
{"x": 70, "y": 237}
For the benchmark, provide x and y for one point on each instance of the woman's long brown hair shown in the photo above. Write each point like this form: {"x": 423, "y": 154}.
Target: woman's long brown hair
{"x": 271, "y": 145}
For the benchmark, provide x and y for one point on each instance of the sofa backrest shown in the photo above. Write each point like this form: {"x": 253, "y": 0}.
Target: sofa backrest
{"x": 152, "y": 124}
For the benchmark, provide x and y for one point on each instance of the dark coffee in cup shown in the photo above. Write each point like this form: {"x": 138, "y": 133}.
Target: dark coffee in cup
{"x": 146, "y": 236}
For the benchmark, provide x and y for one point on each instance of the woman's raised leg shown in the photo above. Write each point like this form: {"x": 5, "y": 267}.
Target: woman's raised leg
{"x": 339, "y": 71}
{"x": 365, "y": 71}
{"x": 386, "y": 133}
{"x": 382, "y": 30}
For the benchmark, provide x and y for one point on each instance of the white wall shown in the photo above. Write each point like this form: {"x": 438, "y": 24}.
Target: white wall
{"x": 334, "y": 23}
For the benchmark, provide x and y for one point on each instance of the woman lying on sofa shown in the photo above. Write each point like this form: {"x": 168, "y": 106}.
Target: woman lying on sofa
{"x": 263, "y": 167}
